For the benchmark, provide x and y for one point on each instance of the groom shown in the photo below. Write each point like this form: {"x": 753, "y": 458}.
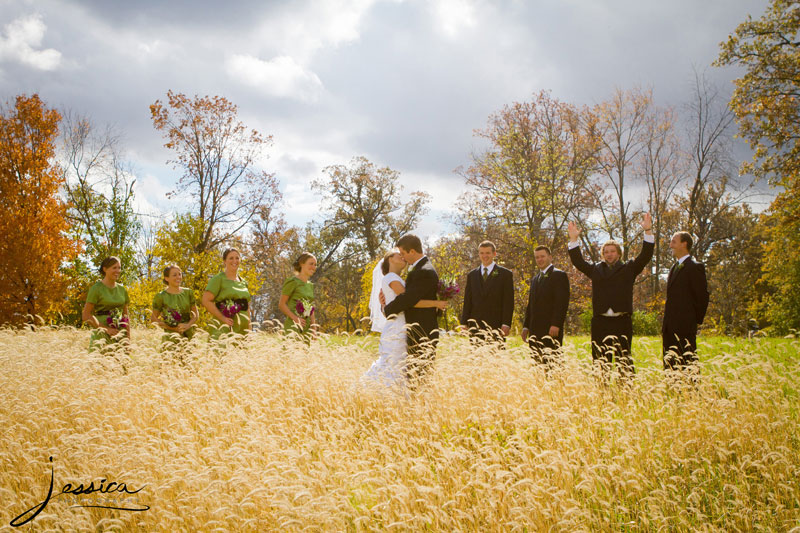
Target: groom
{"x": 422, "y": 334}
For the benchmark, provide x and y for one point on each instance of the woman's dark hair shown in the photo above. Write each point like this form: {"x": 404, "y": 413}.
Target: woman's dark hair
{"x": 108, "y": 262}
{"x": 167, "y": 271}
{"x": 229, "y": 250}
{"x": 385, "y": 263}
{"x": 305, "y": 256}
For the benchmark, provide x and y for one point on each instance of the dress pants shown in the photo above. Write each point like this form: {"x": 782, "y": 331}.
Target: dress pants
{"x": 421, "y": 353}
{"x": 680, "y": 351}
{"x": 611, "y": 340}
{"x": 483, "y": 333}
{"x": 546, "y": 350}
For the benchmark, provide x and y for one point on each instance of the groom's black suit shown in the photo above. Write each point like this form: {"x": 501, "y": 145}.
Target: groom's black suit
{"x": 687, "y": 302}
{"x": 422, "y": 334}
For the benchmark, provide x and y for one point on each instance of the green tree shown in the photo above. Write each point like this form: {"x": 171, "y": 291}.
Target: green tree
{"x": 767, "y": 96}
{"x": 766, "y": 102}
{"x": 533, "y": 177}
{"x": 366, "y": 203}
{"x": 733, "y": 267}
{"x": 364, "y": 211}
{"x": 98, "y": 186}
{"x": 779, "y": 297}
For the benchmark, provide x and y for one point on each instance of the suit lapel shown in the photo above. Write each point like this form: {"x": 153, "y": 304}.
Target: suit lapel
{"x": 676, "y": 270}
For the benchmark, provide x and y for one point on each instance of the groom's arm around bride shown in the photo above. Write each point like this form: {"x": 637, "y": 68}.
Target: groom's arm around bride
{"x": 422, "y": 283}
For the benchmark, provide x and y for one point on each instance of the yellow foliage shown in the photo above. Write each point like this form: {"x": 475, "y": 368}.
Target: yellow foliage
{"x": 141, "y": 294}
{"x": 175, "y": 245}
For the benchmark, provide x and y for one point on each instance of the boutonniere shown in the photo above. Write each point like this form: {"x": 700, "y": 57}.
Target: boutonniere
{"x": 680, "y": 266}
{"x": 493, "y": 274}
{"x": 545, "y": 276}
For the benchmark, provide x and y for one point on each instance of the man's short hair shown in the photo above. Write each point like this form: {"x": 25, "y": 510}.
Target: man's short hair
{"x": 488, "y": 244}
{"x": 613, "y": 243}
{"x": 543, "y": 247}
{"x": 686, "y": 237}
{"x": 409, "y": 241}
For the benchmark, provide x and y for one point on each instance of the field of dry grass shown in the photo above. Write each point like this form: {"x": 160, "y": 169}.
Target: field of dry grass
{"x": 280, "y": 436}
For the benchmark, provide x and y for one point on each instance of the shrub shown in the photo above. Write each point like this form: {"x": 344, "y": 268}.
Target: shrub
{"x": 646, "y": 323}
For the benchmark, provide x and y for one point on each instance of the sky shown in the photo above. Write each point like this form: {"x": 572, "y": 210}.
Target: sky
{"x": 402, "y": 82}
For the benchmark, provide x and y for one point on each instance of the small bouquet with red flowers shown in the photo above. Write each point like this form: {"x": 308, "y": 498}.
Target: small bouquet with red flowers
{"x": 116, "y": 319}
{"x": 229, "y": 308}
{"x": 447, "y": 289}
{"x": 304, "y": 308}
{"x": 172, "y": 317}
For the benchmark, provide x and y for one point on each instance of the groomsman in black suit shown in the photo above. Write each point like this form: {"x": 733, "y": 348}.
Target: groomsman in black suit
{"x": 612, "y": 296}
{"x": 422, "y": 333}
{"x": 687, "y": 302}
{"x": 488, "y": 297}
{"x": 548, "y": 300}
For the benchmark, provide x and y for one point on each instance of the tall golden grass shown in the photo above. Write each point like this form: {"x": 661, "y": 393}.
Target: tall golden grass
{"x": 277, "y": 435}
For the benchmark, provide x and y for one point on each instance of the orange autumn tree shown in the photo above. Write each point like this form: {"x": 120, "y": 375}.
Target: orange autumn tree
{"x": 32, "y": 215}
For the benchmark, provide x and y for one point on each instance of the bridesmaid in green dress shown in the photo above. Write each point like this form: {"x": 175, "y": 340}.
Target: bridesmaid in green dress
{"x": 106, "y": 307}
{"x": 227, "y": 299}
{"x": 299, "y": 318}
{"x": 174, "y": 309}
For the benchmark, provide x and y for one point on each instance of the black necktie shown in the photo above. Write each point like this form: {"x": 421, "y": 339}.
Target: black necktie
{"x": 672, "y": 270}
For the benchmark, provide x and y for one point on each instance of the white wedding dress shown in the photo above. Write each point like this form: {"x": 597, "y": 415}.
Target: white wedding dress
{"x": 389, "y": 369}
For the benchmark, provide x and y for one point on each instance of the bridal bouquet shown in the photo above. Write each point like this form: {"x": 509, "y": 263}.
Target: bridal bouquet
{"x": 116, "y": 320}
{"x": 304, "y": 308}
{"x": 229, "y": 308}
{"x": 447, "y": 289}
{"x": 172, "y": 317}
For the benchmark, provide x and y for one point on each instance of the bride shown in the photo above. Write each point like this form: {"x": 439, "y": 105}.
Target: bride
{"x": 389, "y": 369}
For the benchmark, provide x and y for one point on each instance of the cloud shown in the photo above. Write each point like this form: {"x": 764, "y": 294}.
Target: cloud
{"x": 454, "y": 15}
{"x": 305, "y": 28}
{"x": 282, "y": 76}
{"x": 21, "y": 36}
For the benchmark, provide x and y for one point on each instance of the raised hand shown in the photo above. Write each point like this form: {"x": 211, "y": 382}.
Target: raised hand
{"x": 647, "y": 223}
{"x": 574, "y": 231}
